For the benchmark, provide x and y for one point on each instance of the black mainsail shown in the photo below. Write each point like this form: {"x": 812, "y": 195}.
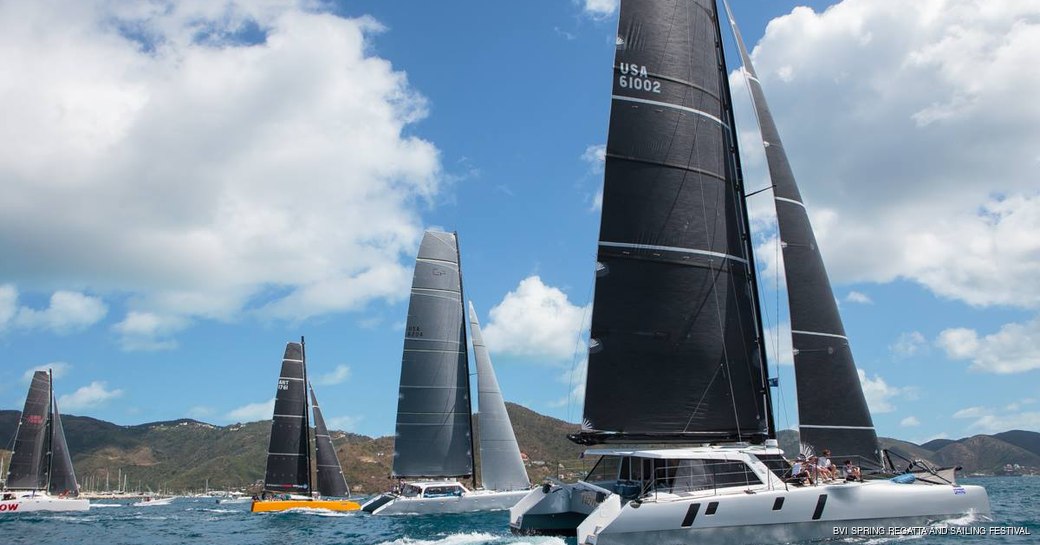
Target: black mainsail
{"x": 675, "y": 351}
{"x": 288, "y": 456}
{"x": 28, "y": 469}
{"x": 41, "y": 459}
{"x": 832, "y": 410}
{"x": 434, "y": 432}
{"x": 330, "y": 473}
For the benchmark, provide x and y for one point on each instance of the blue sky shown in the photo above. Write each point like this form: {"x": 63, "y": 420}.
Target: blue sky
{"x": 189, "y": 186}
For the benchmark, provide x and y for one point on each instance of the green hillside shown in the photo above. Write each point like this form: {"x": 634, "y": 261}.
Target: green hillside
{"x": 182, "y": 455}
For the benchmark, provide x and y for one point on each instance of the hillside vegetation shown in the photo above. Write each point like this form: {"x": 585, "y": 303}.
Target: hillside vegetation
{"x": 183, "y": 455}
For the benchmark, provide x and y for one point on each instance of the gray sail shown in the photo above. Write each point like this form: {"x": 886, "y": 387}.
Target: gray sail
{"x": 330, "y": 473}
{"x": 501, "y": 467}
{"x": 675, "y": 351}
{"x": 434, "y": 435}
{"x": 29, "y": 464}
{"x": 832, "y": 410}
{"x": 63, "y": 476}
{"x": 288, "y": 456}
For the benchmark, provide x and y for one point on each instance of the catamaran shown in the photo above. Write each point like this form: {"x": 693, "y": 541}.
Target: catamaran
{"x": 676, "y": 351}
{"x": 288, "y": 481}
{"x": 434, "y": 447}
{"x": 40, "y": 476}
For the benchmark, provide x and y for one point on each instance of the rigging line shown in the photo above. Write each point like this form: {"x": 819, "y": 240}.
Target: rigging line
{"x": 756, "y": 192}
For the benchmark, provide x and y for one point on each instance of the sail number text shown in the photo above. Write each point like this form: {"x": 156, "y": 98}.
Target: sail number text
{"x": 283, "y": 384}
{"x": 634, "y": 76}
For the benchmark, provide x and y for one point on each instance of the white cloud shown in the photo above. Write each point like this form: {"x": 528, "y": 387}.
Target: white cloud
{"x": 252, "y": 412}
{"x": 858, "y": 297}
{"x": 928, "y": 131}
{"x": 599, "y": 9}
{"x": 67, "y": 311}
{"x": 595, "y": 155}
{"x": 58, "y": 369}
{"x": 200, "y": 411}
{"x": 972, "y": 412}
{"x": 91, "y": 395}
{"x": 1013, "y": 349}
{"x": 1018, "y": 404}
{"x": 1004, "y": 422}
{"x": 880, "y": 394}
{"x": 990, "y": 420}
{"x": 147, "y": 331}
{"x": 337, "y": 376}
{"x": 344, "y": 423}
{"x": 909, "y": 422}
{"x": 201, "y": 173}
{"x": 778, "y": 344}
{"x": 909, "y": 344}
{"x": 8, "y": 304}
{"x": 536, "y": 320}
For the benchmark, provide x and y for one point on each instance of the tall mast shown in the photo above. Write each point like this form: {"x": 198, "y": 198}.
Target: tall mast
{"x": 741, "y": 195}
{"x": 465, "y": 348}
{"x": 306, "y": 417}
{"x": 50, "y": 429}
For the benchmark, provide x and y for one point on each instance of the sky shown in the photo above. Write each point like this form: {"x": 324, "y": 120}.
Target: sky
{"x": 189, "y": 185}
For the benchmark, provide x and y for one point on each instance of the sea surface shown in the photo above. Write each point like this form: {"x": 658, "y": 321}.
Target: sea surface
{"x": 195, "y": 521}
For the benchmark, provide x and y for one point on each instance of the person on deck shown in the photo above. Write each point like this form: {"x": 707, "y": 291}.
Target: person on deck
{"x": 851, "y": 472}
{"x": 800, "y": 472}
{"x": 825, "y": 466}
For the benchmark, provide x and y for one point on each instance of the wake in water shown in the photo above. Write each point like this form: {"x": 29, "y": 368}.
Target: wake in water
{"x": 478, "y": 538}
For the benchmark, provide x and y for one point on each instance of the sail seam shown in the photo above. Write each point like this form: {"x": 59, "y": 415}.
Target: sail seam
{"x": 671, "y": 249}
{"x": 435, "y": 260}
{"x": 676, "y": 166}
{"x": 792, "y": 201}
{"x": 672, "y": 106}
{"x": 817, "y": 426}
{"x": 819, "y": 334}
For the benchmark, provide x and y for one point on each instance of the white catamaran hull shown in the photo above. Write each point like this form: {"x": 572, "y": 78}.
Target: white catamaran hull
{"x": 739, "y": 517}
{"x": 42, "y": 502}
{"x": 479, "y": 500}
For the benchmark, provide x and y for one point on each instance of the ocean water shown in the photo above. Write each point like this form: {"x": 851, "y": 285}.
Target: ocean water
{"x": 1015, "y": 502}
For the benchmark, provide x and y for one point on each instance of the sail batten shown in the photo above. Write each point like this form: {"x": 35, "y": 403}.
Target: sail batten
{"x": 832, "y": 409}
{"x": 675, "y": 352}
{"x": 434, "y": 429}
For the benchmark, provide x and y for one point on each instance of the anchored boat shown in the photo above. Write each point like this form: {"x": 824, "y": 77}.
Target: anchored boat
{"x": 676, "y": 354}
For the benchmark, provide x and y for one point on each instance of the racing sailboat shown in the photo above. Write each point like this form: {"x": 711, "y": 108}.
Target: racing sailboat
{"x": 434, "y": 446}
{"x": 40, "y": 476}
{"x": 676, "y": 354}
{"x": 288, "y": 483}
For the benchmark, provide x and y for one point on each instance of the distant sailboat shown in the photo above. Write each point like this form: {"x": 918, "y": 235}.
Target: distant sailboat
{"x": 676, "y": 352}
{"x": 288, "y": 481}
{"x": 434, "y": 442}
{"x": 40, "y": 476}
